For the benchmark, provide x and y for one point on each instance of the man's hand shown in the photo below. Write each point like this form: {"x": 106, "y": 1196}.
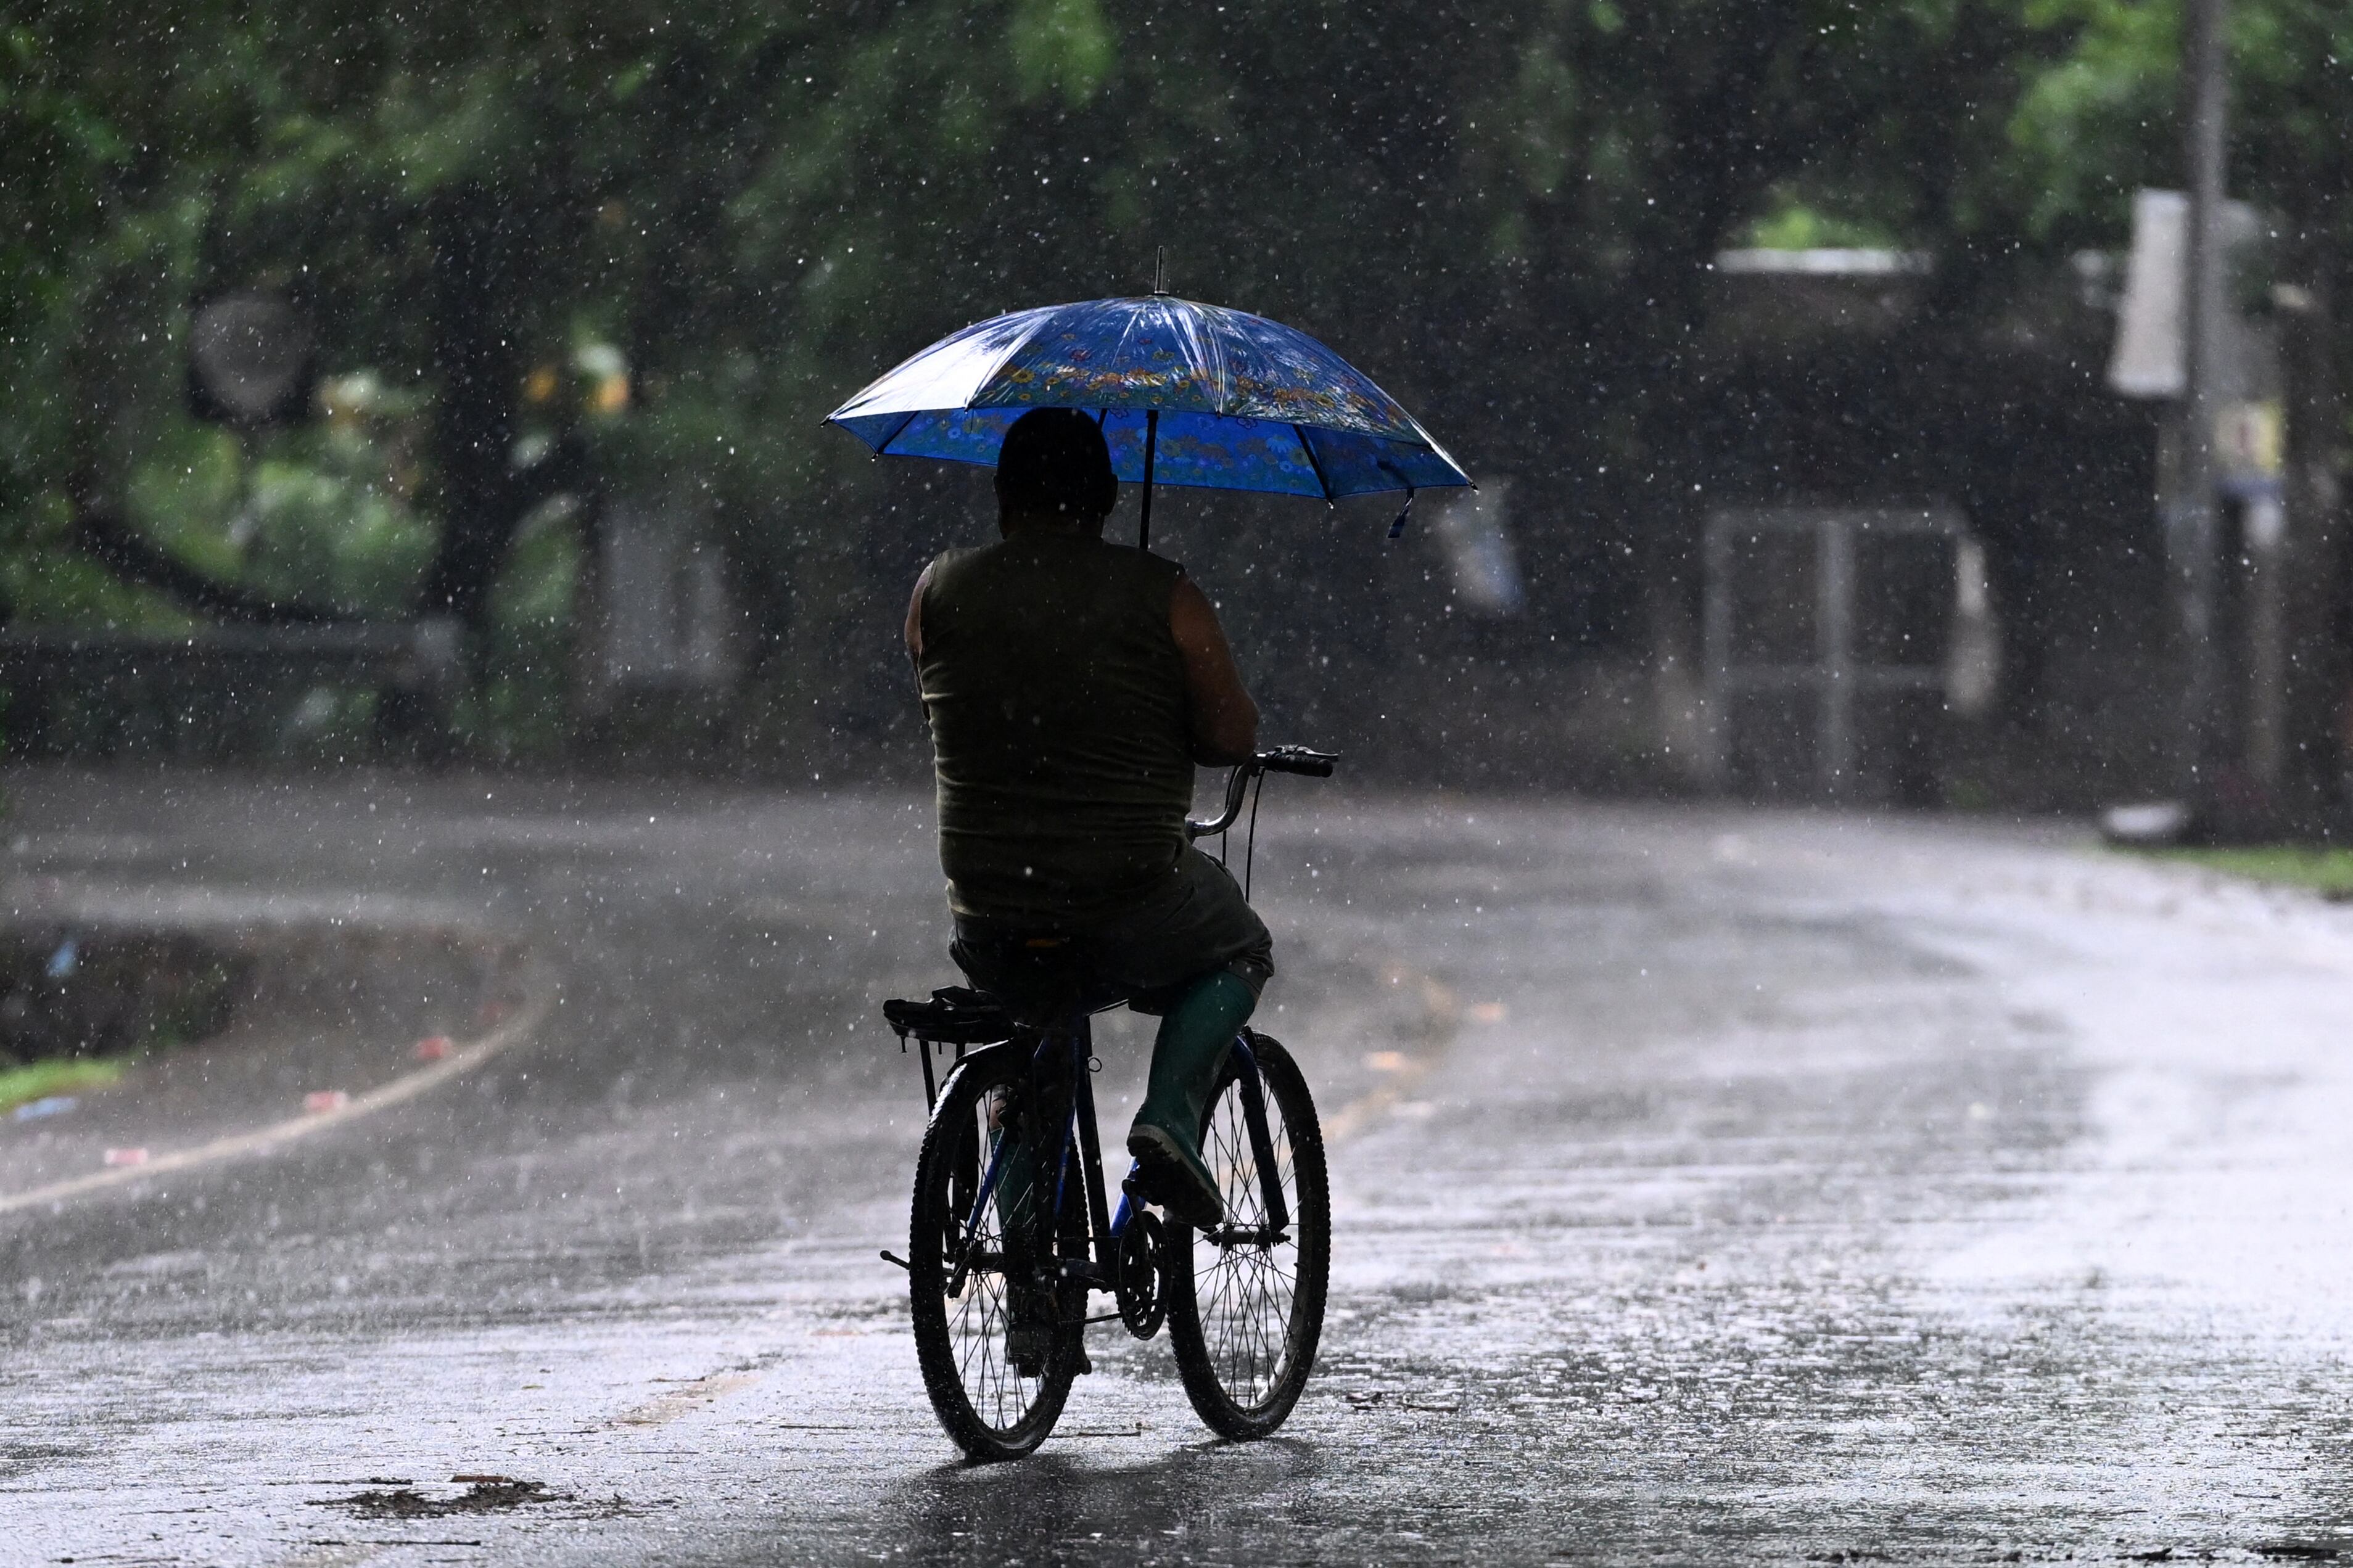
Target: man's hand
{"x": 1224, "y": 719}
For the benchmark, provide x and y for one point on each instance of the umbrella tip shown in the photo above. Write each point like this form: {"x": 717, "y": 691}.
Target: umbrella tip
{"x": 1159, "y": 271}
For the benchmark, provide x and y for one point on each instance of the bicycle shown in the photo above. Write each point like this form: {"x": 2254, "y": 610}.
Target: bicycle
{"x": 1001, "y": 1270}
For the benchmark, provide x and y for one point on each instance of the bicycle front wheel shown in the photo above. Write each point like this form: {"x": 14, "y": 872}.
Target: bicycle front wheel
{"x": 996, "y": 1355}
{"x": 1246, "y": 1299}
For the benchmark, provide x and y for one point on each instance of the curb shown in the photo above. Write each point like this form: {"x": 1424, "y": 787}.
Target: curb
{"x": 539, "y": 1000}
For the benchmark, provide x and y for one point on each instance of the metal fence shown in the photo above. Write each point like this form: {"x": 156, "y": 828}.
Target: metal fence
{"x": 1826, "y": 633}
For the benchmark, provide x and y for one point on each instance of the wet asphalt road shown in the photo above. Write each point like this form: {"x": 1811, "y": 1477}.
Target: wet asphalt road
{"x": 1711, "y": 1186}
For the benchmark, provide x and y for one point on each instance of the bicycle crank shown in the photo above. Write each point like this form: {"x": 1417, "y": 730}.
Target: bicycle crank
{"x": 1142, "y": 1257}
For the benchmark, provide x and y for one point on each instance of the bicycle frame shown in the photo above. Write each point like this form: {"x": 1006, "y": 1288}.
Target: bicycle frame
{"x": 1079, "y": 1126}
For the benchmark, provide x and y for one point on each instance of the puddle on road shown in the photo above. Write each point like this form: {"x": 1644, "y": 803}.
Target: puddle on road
{"x": 485, "y": 1494}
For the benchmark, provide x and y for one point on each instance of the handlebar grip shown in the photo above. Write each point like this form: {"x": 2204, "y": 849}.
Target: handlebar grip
{"x": 1299, "y": 760}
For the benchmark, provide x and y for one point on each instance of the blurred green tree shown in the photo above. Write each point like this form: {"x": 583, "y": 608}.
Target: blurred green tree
{"x": 1504, "y": 210}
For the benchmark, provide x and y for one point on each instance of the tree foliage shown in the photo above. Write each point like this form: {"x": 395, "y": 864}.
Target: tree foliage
{"x": 2100, "y": 119}
{"x": 1506, "y": 210}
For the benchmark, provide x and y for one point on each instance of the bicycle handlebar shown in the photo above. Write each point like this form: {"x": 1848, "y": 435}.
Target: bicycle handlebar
{"x": 1282, "y": 760}
{"x": 1297, "y": 760}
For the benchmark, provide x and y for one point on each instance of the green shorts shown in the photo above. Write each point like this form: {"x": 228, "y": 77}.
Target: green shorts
{"x": 1195, "y": 922}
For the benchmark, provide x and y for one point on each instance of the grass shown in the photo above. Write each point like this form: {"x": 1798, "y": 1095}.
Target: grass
{"x": 59, "y": 1075}
{"x": 2325, "y": 871}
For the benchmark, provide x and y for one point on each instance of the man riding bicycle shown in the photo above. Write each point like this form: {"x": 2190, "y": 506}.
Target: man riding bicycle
{"x": 1072, "y": 686}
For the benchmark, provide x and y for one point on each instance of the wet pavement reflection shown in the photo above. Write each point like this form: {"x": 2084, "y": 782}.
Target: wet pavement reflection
{"x": 1708, "y": 1185}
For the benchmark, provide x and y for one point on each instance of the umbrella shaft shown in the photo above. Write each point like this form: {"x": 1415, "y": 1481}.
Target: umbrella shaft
{"x": 1151, "y": 450}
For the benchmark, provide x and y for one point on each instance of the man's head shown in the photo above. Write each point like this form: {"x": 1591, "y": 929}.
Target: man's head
{"x": 1054, "y": 471}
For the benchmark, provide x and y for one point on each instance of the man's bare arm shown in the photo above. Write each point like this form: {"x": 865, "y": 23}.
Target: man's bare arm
{"x": 1224, "y": 719}
{"x": 915, "y": 618}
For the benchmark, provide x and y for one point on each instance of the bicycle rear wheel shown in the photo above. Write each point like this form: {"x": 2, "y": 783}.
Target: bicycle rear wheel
{"x": 1246, "y": 1300}
{"x": 997, "y": 1354}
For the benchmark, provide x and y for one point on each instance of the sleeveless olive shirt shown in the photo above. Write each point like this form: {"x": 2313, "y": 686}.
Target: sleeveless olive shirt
{"x": 1056, "y": 699}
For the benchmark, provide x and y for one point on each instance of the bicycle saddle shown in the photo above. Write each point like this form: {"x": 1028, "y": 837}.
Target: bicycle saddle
{"x": 1038, "y": 980}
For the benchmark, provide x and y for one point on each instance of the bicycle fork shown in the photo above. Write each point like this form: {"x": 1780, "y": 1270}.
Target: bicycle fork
{"x": 1277, "y": 1213}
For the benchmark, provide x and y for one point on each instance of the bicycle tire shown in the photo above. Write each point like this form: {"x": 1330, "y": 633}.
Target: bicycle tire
{"x": 988, "y": 1407}
{"x": 1242, "y": 1371}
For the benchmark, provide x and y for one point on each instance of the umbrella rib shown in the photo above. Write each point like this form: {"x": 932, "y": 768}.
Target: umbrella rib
{"x": 1312, "y": 462}
{"x": 1222, "y": 393}
{"x": 896, "y": 431}
{"x": 1029, "y": 331}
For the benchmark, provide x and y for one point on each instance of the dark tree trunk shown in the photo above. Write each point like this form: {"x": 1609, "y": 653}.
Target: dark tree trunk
{"x": 476, "y": 295}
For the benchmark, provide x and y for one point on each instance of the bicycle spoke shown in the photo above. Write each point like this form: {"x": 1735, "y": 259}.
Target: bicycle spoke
{"x": 980, "y": 1318}
{"x": 1246, "y": 1289}
{"x": 995, "y": 1353}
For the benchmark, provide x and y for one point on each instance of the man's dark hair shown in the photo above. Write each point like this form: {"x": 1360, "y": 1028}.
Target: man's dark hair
{"x": 1055, "y": 460}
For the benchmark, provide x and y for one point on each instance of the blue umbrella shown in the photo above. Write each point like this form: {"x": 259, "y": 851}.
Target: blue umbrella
{"x": 1186, "y": 395}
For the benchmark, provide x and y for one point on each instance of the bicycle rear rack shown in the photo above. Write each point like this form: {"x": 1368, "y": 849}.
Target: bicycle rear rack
{"x": 955, "y": 1016}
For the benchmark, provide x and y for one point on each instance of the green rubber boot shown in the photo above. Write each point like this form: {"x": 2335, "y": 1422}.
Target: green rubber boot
{"x": 1013, "y": 1180}
{"x": 1020, "y": 1195}
{"x": 1021, "y": 1160}
{"x": 1166, "y": 1136}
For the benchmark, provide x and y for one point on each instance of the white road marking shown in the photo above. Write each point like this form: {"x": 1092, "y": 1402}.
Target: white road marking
{"x": 686, "y": 1399}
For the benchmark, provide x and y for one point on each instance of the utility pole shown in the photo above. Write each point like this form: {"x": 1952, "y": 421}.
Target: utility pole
{"x": 2195, "y": 542}
{"x": 2319, "y": 663}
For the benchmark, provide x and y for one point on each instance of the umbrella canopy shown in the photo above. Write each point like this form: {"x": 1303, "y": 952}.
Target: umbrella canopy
{"x": 1186, "y": 393}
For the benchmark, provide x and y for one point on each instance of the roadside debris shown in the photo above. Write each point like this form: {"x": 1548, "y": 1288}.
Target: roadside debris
{"x": 50, "y": 1105}
{"x": 433, "y": 1047}
{"x": 322, "y": 1099}
{"x": 126, "y": 1156}
{"x": 1378, "y": 1398}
